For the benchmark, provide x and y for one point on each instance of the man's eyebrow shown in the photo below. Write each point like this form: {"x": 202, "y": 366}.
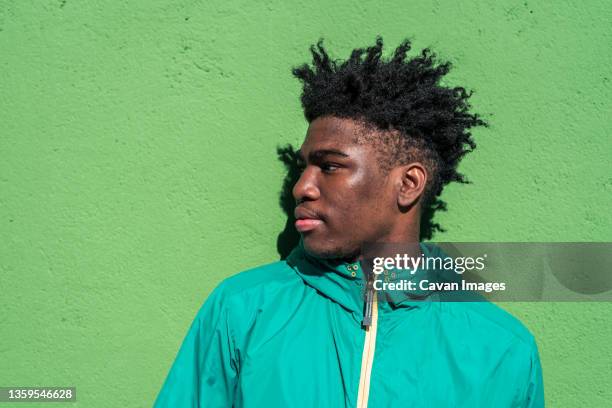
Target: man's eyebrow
{"x": 318, "y": 154}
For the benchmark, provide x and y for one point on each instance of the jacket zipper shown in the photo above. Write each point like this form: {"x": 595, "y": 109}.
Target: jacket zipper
{"x": 370, "y": 322}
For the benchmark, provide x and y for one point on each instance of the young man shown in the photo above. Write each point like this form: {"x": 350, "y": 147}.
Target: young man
{"x": 384, "y": 138}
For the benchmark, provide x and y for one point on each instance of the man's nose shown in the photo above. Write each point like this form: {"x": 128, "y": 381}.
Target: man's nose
{"x": 306, "y": 188}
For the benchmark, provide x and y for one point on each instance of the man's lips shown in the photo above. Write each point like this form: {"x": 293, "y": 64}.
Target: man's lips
{"x": 307, "y": 224}
{"x": 306, "y": 220}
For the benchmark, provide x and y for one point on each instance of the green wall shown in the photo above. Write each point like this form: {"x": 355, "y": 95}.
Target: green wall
{"x": 138, "y": 166}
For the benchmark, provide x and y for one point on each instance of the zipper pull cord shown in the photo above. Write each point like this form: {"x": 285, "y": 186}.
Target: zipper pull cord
{"x": 369, "y": 300}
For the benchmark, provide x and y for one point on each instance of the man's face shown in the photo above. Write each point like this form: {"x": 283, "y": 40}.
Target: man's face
{"x": 344, "y": 198}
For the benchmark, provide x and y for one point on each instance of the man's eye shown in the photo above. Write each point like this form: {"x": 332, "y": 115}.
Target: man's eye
{"x": 329, "y": 167}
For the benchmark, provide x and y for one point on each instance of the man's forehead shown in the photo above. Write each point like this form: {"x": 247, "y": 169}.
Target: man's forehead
{"x": 319, "y": 145}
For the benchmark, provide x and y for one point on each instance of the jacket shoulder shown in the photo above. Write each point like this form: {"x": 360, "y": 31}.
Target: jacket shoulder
{"x": 266, "y": 276}
{"x": 255, "y": 286}
{"x": 494, "y": 321}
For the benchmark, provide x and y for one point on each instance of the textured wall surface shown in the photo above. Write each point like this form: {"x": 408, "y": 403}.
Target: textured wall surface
{"x": 138, "y": 166}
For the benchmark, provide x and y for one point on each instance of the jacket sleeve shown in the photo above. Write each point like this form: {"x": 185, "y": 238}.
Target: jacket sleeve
{"x": 534, "y": 393}
{"x": 205, "y": 370}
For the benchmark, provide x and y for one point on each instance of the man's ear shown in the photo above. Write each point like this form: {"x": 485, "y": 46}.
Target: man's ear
{"x": 412, "y": 181}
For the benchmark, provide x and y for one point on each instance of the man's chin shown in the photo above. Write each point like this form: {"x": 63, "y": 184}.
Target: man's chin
{"x": 325, "y": 250}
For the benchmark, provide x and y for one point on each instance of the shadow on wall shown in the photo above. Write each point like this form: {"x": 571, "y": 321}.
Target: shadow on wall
{"x": 288, "y": 238}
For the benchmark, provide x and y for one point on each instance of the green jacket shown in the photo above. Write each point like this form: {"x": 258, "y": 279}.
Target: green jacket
{"x": 290, "y": 334}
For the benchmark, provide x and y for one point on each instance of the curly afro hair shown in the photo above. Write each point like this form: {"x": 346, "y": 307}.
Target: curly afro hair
{"x": 399, "y": 96}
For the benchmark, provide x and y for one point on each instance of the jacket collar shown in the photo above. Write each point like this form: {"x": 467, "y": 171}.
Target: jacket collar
{"x": 345, "y": 283}
{"x": 341, "y": 282}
